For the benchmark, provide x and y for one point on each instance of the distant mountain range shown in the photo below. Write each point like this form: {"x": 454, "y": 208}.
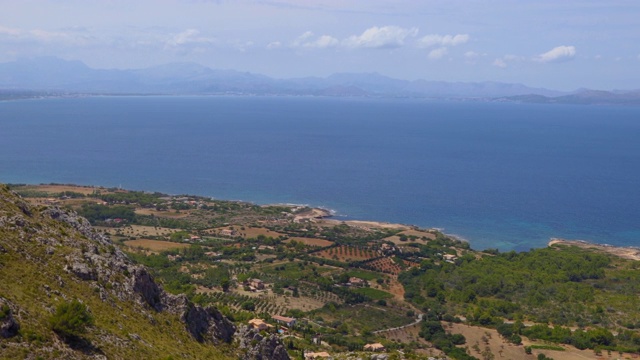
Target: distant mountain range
{"x": 54, "y": 75}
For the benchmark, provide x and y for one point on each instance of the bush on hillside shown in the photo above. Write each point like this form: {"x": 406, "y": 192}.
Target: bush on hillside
{"x": 71, "y": 319}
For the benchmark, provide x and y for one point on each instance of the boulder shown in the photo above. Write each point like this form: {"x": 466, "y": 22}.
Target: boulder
{"x": 8, "y": 325}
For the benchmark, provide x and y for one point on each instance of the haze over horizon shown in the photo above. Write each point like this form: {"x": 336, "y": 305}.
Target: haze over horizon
{"x": 561, "y": 46}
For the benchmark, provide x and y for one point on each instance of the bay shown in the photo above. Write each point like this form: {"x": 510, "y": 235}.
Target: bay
{"x": 500, "y": 175}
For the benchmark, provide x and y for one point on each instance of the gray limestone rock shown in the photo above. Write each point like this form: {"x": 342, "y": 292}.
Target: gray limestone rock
{"x": 257, "y": 347}
{"x": 8, "y": 325}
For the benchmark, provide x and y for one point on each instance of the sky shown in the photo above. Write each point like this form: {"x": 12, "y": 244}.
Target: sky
{"x": 561, "y": 45}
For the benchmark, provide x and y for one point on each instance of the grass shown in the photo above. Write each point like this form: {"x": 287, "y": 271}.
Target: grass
{"x": 374, "y": 294}
{"x": 361, "y": 317}
{"x": 294, "y": 270}
{"x": 365, "y": 275}
{"x": 547, "y": 347}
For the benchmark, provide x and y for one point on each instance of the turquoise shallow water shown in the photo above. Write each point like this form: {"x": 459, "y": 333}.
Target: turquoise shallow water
{"x": 497, "y": 174}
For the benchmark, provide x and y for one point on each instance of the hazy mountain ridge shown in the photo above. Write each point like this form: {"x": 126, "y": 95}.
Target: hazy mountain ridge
{"x": 54, "y": 74}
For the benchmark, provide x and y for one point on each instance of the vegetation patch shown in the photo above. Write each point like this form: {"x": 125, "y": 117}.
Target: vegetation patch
{"x": 374, "y": 294}
{"x": 346, "y": 253}
{"x": 71, "y": 319}
{"x": 547, "y": 347}
{"x": 155, "y": 245}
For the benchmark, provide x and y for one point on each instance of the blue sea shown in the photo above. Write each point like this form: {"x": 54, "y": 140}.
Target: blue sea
{"x": 500, "y": 175}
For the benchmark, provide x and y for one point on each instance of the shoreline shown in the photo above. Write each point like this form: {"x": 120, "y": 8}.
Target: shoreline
{"x": 329, "y": 216}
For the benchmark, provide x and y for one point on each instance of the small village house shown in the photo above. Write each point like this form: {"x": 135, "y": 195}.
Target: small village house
{"x": 284, "y": 320}
{"x": 256, "y": 284}
{"x": 259, "y": 324}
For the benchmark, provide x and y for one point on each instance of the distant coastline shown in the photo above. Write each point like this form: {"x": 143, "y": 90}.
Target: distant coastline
{"x": 53, "y": 77}
{"x": 326, "y": 216}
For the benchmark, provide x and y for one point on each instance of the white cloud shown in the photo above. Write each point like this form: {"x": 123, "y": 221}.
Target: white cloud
{"x": 557, "y": 54}
{"x": 307, "y": 40}
{"x": 471, "y": 55}
{"x": 67, "y": 36}
{"x": 324, "y": 41}
{"x": 438, "y": 53}
{"x": 380, "y": 37}
{"x": 242, "y": 45}
{"x": 9, "y": 31}
{"x": 50, "y": 36}
{"x": 500, "y": 63}
{"x": 302, "y": 39}
{"x": 274, "y": 45}
{"x": 189, "y": 36}
{"x": 511, "y": 57}
{"x": 442, "y": 40}
{"x": 504, "y": 61}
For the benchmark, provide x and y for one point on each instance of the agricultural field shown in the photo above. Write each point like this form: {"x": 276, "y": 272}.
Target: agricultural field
{"x": 411, "y": 236}
{"x": 138, "y": 231}
{"x": 293, "y": 271}
{"x": 55, "y": 189}
{"x": 386, "y": 265}
{"x": 155, "y": 245}
{"x": 286, "y": 302}
{"x": 363, "y": 318}
{"x": 345, "y": 253}
{"x": 374, "y": 294}
{"x": 310, "y": 241}
{"x": 164, "y": 213}
{"x": 254, "y": 232}
{"x": 365, "y": 275}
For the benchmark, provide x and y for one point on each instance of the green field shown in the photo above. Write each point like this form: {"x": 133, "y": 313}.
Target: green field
{"x": 365, "y": 275}
{"x": 374, "y": 294}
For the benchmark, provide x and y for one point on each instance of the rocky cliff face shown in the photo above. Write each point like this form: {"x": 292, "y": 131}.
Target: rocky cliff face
{"x": 49, "y": 255}
{"x": 113, "y": 272}
{"x": 258, "y": 347}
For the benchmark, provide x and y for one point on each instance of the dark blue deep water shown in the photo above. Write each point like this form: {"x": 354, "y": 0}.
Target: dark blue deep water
{"x": 497, "y": 174}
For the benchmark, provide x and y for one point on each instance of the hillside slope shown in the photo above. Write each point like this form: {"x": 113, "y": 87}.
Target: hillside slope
{"x": 50, "y": 257}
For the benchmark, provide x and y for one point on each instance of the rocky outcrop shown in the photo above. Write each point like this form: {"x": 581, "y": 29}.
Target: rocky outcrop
{"x": 82, "y": 270}
{"x": 205, "y": 324}
{"x": 146, "y": 288}
{"x": 8, "y": 325}
{"x": 109, "y": 267}
{"x": 257, "y": 347}
{"x": 82, "y": 225}
{"x": 95, "y": 259}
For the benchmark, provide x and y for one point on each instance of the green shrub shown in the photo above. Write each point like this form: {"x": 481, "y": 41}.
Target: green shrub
{"x": 4, "y": 311}
{"x": 71, "y": 319}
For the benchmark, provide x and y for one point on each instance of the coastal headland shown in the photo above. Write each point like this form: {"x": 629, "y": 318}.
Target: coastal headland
{"x": 356, "y": 282}
{"x": 631, "y": 253}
